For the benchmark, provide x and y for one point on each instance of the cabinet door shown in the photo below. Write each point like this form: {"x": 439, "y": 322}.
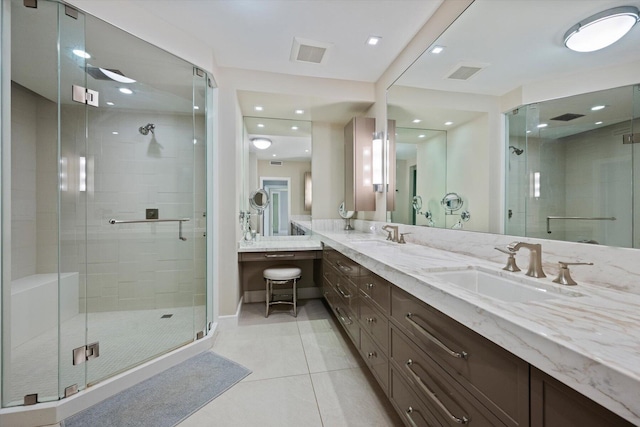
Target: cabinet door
{"x": 554, "y": 404}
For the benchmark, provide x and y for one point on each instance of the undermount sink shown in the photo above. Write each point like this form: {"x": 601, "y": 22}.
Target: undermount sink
{"x": 494, "y": 285}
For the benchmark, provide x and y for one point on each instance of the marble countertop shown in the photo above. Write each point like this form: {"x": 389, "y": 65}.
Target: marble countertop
{"x": 591, "y": 342}
{"x": 281, "y": 243}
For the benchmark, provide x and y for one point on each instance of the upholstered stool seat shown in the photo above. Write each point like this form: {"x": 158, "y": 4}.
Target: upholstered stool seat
{"x": 280, "y": 276}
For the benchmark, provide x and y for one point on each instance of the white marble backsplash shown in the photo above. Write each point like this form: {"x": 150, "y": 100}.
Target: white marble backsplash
{"x": 615, "y": 268}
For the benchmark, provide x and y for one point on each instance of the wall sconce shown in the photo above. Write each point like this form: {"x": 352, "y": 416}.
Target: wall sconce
{"x": 376, "y": 161}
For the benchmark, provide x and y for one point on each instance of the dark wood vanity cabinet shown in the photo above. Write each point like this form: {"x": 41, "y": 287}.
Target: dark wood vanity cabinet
{"x": 437, "y": 372}
{"x": 554, "y": 404}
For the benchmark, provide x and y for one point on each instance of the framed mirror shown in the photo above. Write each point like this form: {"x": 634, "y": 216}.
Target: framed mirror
{"x": 476, "y": 89}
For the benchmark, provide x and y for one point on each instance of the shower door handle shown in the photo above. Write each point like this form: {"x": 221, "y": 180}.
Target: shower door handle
{"x": 113, "y": 221}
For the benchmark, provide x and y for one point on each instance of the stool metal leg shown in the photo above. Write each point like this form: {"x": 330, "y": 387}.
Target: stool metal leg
{"x": 295, "y": 298}
{"x": 268, "y": 293}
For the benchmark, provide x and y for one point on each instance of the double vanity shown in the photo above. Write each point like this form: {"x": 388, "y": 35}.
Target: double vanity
{"x": 453, "y": 339}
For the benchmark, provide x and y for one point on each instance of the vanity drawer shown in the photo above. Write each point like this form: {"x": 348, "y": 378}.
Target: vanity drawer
{"x": 413, "y": 412}
{"x": 346, "y": 318}
{"x": 277, "y": 255}
{"x": 497, "y": 378}
{"x": 375, "y": 324}
{"x": 376, "y": 359}
{"x": 447, "y": 400}
{"x": 375, "y": 289}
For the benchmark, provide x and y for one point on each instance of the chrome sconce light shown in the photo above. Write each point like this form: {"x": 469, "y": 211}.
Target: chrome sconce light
{"x": 602, "y": 29}
{"x": 377, "y": 149}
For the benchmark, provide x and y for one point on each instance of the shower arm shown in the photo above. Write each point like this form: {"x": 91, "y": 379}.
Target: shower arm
{"x": 113, "y": 221}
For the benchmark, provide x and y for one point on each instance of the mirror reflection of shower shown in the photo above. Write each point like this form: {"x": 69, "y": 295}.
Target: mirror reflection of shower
{"x": 146, "y": 129}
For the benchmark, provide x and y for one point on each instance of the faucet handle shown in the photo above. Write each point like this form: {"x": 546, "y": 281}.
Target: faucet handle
{"x": 564, "y": 275}
{"x": 511, "y": 261}
{"x": 389, "y": 235}
{"x": 401, "y": 240}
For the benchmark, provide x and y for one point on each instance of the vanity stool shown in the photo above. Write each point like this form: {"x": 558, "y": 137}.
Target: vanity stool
{"x": 282, "y": 275}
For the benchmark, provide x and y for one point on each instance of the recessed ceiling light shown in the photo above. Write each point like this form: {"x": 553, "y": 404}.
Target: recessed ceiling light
{"x": 306, "y": 151}
{"x": 448, "y": 123}
{"x": 195, "y": 107}
{"x": 81, "y": 53}
{"x": 110, "y": 103}
{"x": 437, "y": 49}
{"x": 528, "y": 131}
{"x": 125, "y": 90}
{"x": 416, "y": 120}
{"x": 299, "y": 111}
{"x": 294, "y": 127}
{"x": 602, "y": 29}
{"x": 542, "y": 125}
{"x": 598, "y": 123}
{"x": 114, "y": 132}
{"x": 258, "y": 108}
{"x": 373, "y": 40}
{"x": 195, "y": 141}
{"x": 261, "y": 143}
{"x": 260, "y": 125}
{"x": 273, "y": 155}
{"x": 598, "y": 107}
{"x": 421, "y": 136}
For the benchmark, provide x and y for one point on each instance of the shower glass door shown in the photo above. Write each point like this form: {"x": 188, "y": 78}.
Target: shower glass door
{"x": 146, "y": 201}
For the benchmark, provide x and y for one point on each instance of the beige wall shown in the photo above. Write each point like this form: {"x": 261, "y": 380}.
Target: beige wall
{"x": 327, "y": 170}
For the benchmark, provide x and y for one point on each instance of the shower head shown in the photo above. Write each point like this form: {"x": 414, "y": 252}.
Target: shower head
{"x": 145, "y": 129}
{"x": 518, "y": 151}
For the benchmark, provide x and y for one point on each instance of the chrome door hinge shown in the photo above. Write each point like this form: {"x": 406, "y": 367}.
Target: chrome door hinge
{"x": 631, "y": 138}
{"x": 71, "y": 390}
{"x": 85, "y": 96}
{"x": 86, "y": 352}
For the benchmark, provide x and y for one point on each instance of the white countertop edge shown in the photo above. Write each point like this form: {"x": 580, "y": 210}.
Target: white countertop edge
{"x": 524, "y": 329}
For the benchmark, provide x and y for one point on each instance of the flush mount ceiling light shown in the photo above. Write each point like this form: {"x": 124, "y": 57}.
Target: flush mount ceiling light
{"x": 81, "y": 53}
{"x": 116, "y": 76}
{"x": 602, "y": 29}
{"x": 261, "y": 143}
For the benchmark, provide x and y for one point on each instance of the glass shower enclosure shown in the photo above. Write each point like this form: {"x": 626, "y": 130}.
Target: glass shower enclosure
{"x": 103, "y": 202}
{"x": 573, "y": 169}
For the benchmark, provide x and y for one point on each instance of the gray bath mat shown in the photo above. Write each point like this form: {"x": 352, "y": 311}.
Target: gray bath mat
{"x": 165, "y": 399}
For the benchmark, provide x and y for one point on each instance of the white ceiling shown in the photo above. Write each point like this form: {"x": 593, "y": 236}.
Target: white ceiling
{"x": 258, "y": 34}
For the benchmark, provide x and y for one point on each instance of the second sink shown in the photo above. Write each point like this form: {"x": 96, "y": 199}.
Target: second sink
{"x": 494, "y": 285}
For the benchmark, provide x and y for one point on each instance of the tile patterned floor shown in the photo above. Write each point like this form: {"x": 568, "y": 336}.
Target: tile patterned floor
{"x": 305, "y": 373}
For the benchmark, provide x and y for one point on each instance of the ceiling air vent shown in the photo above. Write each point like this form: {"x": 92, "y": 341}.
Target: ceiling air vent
{"x": 465, "y": 71}
{"x": 567, "y": 117}
{"x": 275, "y": 162}
{"x": 311, "y": 51}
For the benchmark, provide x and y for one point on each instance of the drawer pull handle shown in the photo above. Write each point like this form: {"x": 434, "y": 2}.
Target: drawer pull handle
{"x": 349, "y": 322}
{"x": 342, "y": 292}
{"x": 371, "y": 319}
{"x": 436, "y": 341}
{"x": 342, "y": 266}
{"x": 432, "y": 395}
{"x": 369, "y": 285}
{"x": 279, "y": 255}
{"x": 372, "y": 354}
{"x": 408, "y": 413}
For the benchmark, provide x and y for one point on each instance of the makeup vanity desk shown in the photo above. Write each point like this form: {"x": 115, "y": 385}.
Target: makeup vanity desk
{"x": 302, "y": 251}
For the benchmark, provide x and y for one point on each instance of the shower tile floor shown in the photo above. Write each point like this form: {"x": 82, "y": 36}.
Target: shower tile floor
{"x": 126, "y": 338}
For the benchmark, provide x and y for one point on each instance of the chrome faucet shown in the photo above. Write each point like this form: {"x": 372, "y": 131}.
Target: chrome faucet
{"x": 389, "y": 229}
{"x": 535, "y": 257}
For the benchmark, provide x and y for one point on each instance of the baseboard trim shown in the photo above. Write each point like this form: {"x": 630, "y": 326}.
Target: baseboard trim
{"x": 231, "y": 320}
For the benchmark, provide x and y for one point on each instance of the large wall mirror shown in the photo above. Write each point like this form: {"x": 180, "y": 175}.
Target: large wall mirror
{"x": 473, "y": 107}
{"x": 278, "y": 166}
